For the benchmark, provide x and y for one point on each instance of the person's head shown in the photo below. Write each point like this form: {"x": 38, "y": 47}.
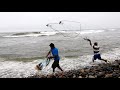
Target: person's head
{"x": 52, "y": 45}
{"x": 95, "y": 43}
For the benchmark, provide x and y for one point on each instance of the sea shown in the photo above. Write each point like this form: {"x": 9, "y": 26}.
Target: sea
{"x": 20, "y": 52}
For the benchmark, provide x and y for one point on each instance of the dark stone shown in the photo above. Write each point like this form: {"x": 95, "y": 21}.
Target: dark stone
{"x": 108, "y": 69}
{"x": 91, "y": 76}
{"x": 108, "y": 76}
{"x": 115, "y": 65}
{"x": 101, "y": 74}
{"x": 91, "y": 73}
{"x": 115, "y": 75}
{"x": 118, "y": 61}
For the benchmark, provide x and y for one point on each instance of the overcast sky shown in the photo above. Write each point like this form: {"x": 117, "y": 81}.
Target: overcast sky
{"x": 30, "y": 21}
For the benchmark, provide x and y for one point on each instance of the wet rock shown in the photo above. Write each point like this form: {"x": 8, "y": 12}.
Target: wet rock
{"x": 100, "y": 74}
{"x": 118, "y": 61}
{"x": 108, "y": 76}
{"x": 91, "y": 73}
{"x": 117, "y": 71}
{"x": 74, "y": 76}
{"x": 115, "y": 65}
{"x": 82, "y": 71}
{"x": 83, "y": 75}
{"x": 115, "y": 74}
{"x": 90, "y": 76}
{"x": 98, "y": 69}
{"x": 48, "y": 76}
{"x": 87, "y": 70}
{"x": 70, "y": 74}
{"x": 77, "y": 73}
{"x": 80, "y": 77}
{"x": 51, "y": 76}
{"x": 108, "y": 69}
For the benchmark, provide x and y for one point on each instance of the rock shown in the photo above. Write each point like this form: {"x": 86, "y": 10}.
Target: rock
{"x": 74, "y": 76}
{"x": 86, "y": 70}
{"x": 117, "y": 71}
{"x": 108, "y": 76}
{"x": 115, "y": 74}
{"x": 101, "y": 74}
{"x": 82, "y": 71}
{"x": 91, "y": 73}
{"x": 48, "y": 76}
{"x": 98, "y": 69}
{"x": 118, "y": 61}
{"x": 83, "y": 75}
{"x": 70, "y": 75}
{"x": 115, "y": 64}
{"x": 108, "y": 69}
{"x": 80, "y": 77}
{"x": 90, "y": 76}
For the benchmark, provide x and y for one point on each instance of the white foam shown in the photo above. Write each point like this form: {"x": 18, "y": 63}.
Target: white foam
{"x": 48, "y": 33}
{"x": 112, "y": 55}
{"x": 91, "y": 31}
{"x": 112, "y": 29}
{"x": 13, "y": 69}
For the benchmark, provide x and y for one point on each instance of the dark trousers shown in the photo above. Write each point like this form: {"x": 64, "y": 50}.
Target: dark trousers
{"x": 56, "y": 64}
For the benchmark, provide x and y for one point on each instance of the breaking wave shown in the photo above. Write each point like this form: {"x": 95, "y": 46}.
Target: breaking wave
{"x": 49, "y": 33}
{"x": 32, "y": 34}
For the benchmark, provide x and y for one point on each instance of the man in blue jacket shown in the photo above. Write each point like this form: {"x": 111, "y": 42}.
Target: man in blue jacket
{"x": 55, "y": 55}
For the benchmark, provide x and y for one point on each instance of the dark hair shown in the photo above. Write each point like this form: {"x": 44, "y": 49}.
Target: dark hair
{"x": 96, "y": 43}
{"x": 52, "y": 45}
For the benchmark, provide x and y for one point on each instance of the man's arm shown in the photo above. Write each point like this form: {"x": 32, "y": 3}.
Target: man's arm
{"x": 88, "y": 40}
{"x": 48, "y": 54}
{"x": 50, "y": 57}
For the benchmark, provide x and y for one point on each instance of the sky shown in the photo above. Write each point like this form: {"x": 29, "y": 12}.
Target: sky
{"x": 32, "y": 21}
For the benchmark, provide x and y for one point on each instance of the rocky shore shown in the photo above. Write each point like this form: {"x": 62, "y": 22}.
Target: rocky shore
{"x": 103, "y": 70}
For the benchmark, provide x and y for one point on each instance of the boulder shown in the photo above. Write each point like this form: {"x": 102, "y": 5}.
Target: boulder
{"x": 82, "y": 71}
{"x": 118, "y": 61}
{"x": 108, "y": 76}
{"x": 115, "y": 65}
{"x": 80, "y": 77}
{"x": 101, "y": 74}
{"x": 90, "y": 76}
{"x": 115, "y": 74}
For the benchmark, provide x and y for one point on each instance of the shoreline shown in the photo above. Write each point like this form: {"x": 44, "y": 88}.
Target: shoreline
{"x": 103, "y": 70}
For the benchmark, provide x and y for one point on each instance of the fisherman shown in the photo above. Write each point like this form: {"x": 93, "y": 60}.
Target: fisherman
{"x": 96, "y": 51}
{"x": 55, "y": 55}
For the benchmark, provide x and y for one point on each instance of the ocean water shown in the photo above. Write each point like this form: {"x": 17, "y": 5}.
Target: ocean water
{"x": 21, "y": 51}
